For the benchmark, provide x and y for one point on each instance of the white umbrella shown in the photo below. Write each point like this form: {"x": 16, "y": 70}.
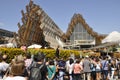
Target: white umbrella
{"x": 10, "y": 45}
{"x": 35, "y": 46}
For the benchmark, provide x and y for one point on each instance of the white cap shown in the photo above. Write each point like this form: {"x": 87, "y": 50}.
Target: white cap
{"x": 86, "y": 56}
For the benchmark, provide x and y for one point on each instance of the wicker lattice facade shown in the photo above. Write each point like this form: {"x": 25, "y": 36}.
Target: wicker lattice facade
{"x": 79, "y": 32}
{"x": 38, "y": 28}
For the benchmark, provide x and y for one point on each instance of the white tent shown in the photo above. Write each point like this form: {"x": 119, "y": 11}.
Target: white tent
{"x": 112, "y": 37}
{"x": 10, "y": 45}
{"x": 2, "y": 45}
{"x": 35, "y": 46}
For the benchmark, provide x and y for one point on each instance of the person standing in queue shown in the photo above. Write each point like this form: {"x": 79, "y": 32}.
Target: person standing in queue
{"x": 57, "y": 53}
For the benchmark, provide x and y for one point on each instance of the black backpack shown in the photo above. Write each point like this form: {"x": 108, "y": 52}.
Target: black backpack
{"x": 35, "y": 72}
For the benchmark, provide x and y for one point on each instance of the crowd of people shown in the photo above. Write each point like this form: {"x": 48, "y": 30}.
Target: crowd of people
{"x": 38, "y": 67}
{"x": 90, "y": 68}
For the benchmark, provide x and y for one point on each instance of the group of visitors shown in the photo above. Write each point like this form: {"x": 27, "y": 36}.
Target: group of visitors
{"x": 40, "y": 68}
{"x": 89, "y": 68}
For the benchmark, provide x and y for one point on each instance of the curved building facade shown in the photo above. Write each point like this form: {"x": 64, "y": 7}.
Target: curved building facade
{"x": 38, "y": 27}
{"x": 80, "y": 35}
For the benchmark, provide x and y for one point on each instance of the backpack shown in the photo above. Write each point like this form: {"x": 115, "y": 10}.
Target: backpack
{"x": 63, "y": 65}
{"x": 35, "y": 72}
{"x": 92, "y": 66}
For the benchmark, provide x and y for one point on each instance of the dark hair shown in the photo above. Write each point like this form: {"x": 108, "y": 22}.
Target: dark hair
{"x": 51, "y": 62}
{"x": 28, "y": 55}
{"x": 39, "y": 57}
{"x": 77, "y": 61}
{"x": 104, "y": 57}
{"x": 71, "y": 61}
{"x": 97, "y": 59}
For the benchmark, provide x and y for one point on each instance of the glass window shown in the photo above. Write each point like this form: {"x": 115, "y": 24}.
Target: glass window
{"x": 80, "y": 33}
{"x": 84, "y": 36}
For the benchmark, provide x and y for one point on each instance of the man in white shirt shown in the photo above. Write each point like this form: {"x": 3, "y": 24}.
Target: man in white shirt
{"x": 3, "y": 66}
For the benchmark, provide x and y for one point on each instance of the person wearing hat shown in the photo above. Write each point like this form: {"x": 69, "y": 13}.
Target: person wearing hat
{"x": 86, "y": 67}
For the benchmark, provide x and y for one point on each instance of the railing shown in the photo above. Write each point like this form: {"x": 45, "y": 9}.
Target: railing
{"x": 84, "y": 75}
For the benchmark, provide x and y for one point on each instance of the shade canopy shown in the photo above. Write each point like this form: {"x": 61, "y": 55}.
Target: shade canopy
{"x": 112, "y": 37}
{"x": 35, "y": 46}
{"x": 10, "y": 45}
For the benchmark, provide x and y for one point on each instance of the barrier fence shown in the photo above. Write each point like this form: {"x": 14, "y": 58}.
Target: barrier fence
{"x": 92, "y": 74}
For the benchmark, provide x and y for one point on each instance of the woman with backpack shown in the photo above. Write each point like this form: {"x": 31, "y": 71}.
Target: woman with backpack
{"x": 61, "y": 69}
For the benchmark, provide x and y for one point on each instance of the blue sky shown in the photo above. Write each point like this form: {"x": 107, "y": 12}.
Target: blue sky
{"x": 101, "y": 15}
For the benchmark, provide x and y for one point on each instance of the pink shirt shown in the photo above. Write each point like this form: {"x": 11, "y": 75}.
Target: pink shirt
{"x": 77, "y": 68}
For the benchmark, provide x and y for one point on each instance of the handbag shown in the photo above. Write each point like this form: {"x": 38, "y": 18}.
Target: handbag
{"x": 5, "y": 76}
{"x": 7, "y": 72}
